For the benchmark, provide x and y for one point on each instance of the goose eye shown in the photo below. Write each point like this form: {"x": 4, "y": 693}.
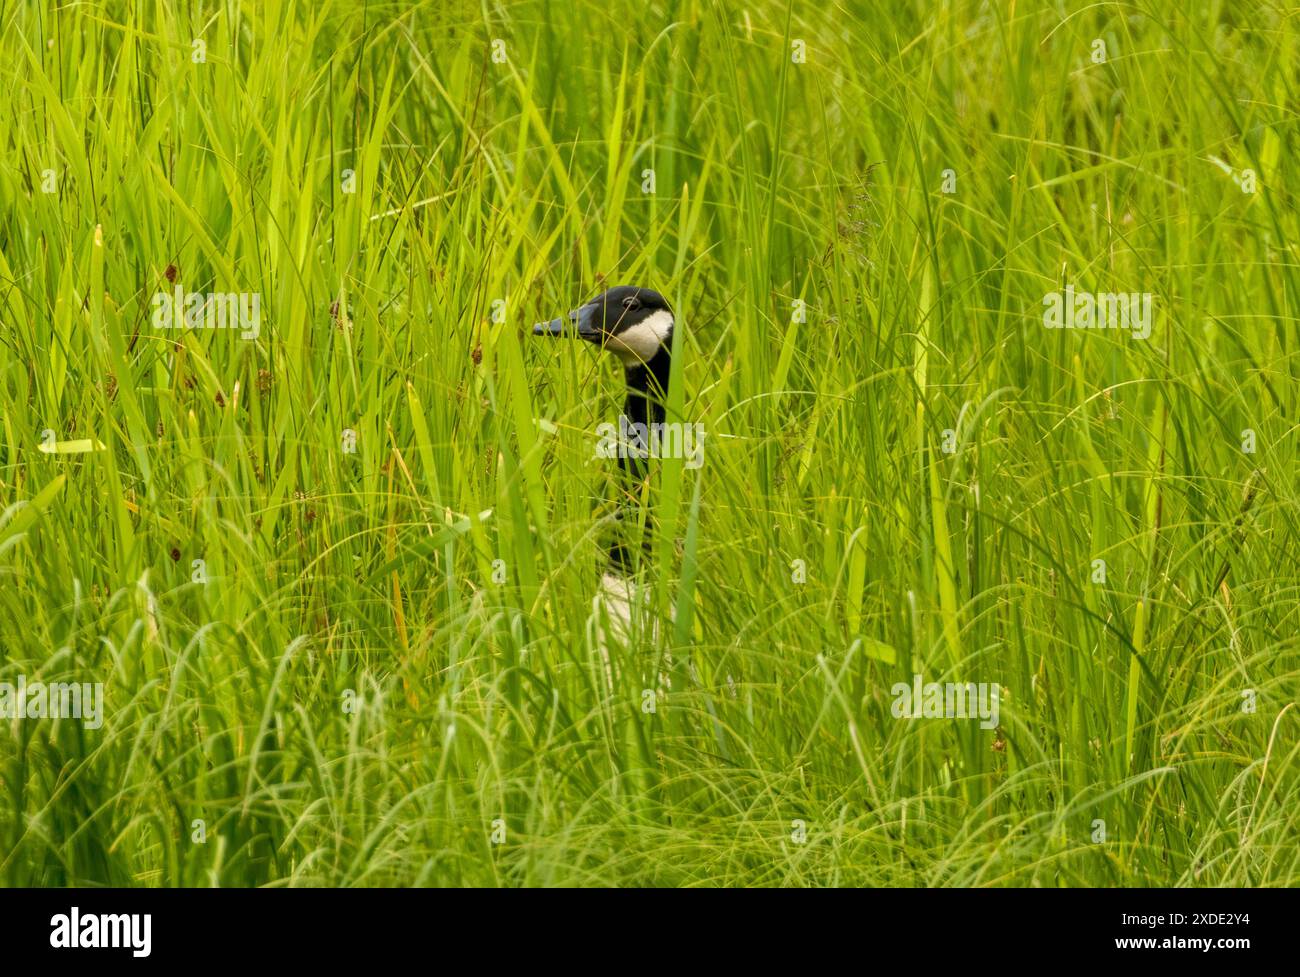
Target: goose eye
{"x": 631, "y": 302}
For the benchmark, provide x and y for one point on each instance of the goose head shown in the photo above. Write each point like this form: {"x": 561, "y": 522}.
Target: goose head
{"x": 633, "y": 323}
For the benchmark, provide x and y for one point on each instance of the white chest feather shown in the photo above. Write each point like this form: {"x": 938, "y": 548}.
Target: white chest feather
{"x": 616, "y": 635}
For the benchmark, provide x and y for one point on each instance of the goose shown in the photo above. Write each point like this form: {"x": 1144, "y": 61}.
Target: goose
{"x": 636, "y": 325}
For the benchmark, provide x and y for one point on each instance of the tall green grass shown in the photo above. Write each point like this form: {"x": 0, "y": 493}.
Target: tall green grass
{"x": 346, "y": 696}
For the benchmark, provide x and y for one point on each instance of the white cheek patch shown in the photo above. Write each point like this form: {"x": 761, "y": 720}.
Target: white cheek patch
{"x": 639, "y": 343}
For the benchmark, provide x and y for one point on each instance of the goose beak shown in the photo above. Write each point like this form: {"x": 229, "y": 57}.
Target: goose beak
{"x": 576, "y": 323}
{"x": 553, "y": 328}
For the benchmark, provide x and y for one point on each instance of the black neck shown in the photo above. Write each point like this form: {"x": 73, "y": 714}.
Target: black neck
{"x": 647, "y": 390}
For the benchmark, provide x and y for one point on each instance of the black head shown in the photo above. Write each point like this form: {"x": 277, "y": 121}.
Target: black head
{"x": 632, "y": 322}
